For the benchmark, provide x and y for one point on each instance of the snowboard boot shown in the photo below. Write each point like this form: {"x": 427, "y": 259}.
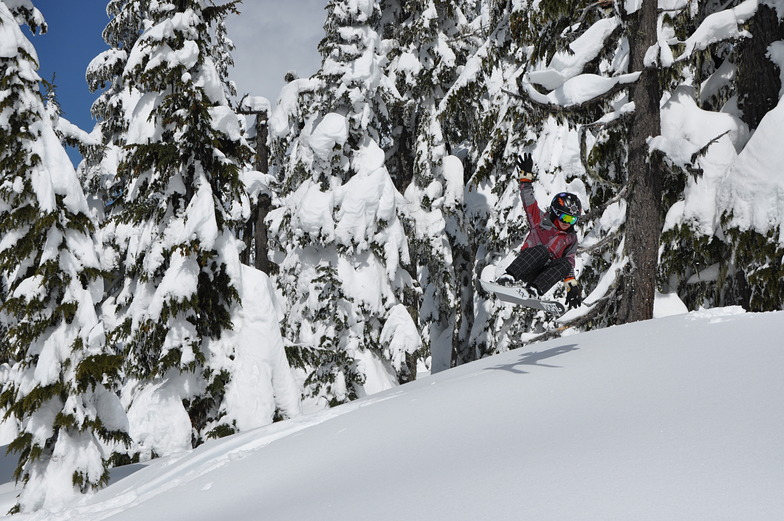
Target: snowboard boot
{"x": 506, "y": 280}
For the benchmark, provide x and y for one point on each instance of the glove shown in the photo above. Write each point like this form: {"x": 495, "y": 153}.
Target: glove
{"x": 526, "y": 166}
{"x": 573, "y": 293}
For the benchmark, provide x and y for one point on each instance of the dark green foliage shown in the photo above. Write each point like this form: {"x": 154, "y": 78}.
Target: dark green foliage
{"x": 94, "y": 369}
{"x": 205, "y": 410}
{"x": 744, "y": 265}
{"x": 80, "y": 480}
{"x": 685, "y": 255}
{"x": 44, "y": 273}
{"x": 329, "y": 363}
{"x": 20, "y": 406}
{"x": 744, "y": 269}
{"x": 325, "y": 365}
{"x": 214, "y": 316}
{"x": 759, "y": 261}
{"x": 156, "y": 183}
{"x": 29, "y": 16}
{"x": 554, "y": 24}
{"x": 22, "y": 445}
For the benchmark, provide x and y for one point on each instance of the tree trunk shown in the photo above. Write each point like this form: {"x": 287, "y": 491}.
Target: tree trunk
{"x": 643, "y": 214}
{"x": 759, "y": 82}
{"x": 247, "y": 237}
{"x": 255, "y": 233}
{"x": 262, "y": 260}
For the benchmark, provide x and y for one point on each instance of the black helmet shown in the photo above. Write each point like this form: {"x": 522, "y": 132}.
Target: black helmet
{"x": 566, "y": 207}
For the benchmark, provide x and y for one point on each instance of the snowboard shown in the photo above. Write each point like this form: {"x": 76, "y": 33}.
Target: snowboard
{"x": 513, "y": 295}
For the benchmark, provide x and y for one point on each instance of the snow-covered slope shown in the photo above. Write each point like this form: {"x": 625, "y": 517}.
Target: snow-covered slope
{"x": 678, "y": 418}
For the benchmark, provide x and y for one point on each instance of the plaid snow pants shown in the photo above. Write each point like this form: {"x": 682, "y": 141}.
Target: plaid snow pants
{"x": 534, "y": 267}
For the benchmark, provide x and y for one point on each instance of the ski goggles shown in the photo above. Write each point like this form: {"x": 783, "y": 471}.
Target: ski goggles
{"x": 566, "y": 218}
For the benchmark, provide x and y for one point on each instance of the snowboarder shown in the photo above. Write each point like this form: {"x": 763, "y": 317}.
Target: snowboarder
{"x": 547, "y": 255}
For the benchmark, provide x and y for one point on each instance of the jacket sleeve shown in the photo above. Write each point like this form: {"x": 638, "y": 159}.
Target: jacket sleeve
{"x": 569, "y": 254}
{"x": 532, "y": 211}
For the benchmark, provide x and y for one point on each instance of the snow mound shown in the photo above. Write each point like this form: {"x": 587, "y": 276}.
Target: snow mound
{"x": 674, "y": 418}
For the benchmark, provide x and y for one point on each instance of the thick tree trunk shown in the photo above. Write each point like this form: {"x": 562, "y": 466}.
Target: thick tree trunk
{"x": 262, "y": 260}
{"x": 643, "y": 215}
{"x": 255, "y": 235}
{"x": 759, "y": 81}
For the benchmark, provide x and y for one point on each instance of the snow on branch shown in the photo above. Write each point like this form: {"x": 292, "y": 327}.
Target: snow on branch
{"x": 601, "y": 4}
{"x": 720, "y": 26}
{"x": 565, "y": 66}
{"x": 578, "y": 92}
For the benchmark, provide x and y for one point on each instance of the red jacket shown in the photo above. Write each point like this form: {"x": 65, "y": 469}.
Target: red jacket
{"x": 560, "y": 243}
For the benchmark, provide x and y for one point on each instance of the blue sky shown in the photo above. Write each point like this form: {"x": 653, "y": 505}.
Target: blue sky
{"x": 73, "y": 40}
{"x": 272, "y": 37}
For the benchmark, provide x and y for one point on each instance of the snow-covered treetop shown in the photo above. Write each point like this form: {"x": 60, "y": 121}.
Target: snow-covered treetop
{"x": 26, "y": 13}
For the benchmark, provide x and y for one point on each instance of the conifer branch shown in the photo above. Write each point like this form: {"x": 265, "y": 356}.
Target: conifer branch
{"x": 600, "y": 309}
{"x": 480, "y": 31}
{"x": 702, "y": 151}
{"x": 248, "y": 111}
{"x": 584, "y": 149}
{"x": 603, "y": 243}
{"x": 600, "y": 3}
{"x": 574, "y": 109}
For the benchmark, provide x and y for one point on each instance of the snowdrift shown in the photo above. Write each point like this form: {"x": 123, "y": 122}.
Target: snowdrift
{"x": 678, "y": 418}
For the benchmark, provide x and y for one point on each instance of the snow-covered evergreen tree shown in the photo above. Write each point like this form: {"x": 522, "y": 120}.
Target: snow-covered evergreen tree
{"x": 61, "y": 379}
{"x": 430, "y": 49}
{"x": 578, "y": 144}
{"x": 454, "y": 65}
{"x": 497, "y": 129}
{"x": 172, "y": 228}
{"x": 105, "y": 73}
{"x": 568, "y": 42}
{"x": 339, "y": 221}
{"x": 451, "y": 60}
{"x": 730, "y": 251}
{"x": 603, "y": 39}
